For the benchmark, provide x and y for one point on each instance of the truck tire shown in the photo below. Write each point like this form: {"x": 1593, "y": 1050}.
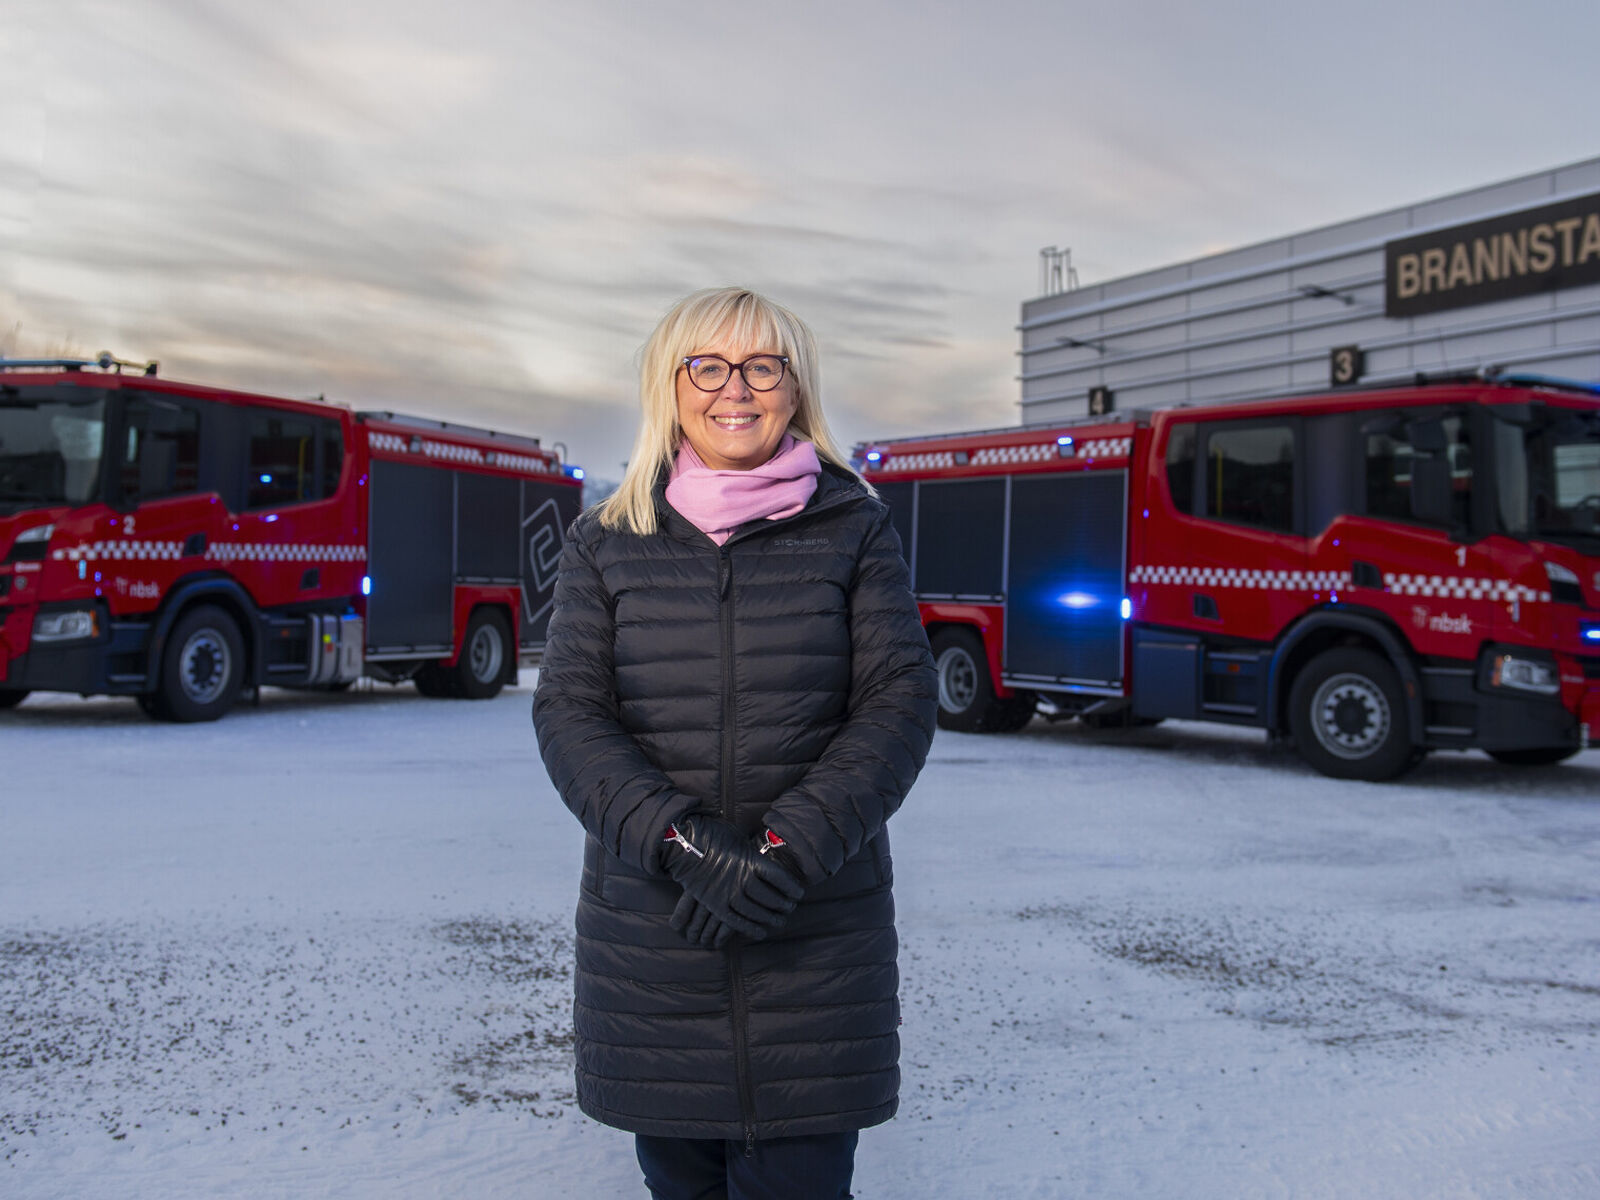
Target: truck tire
{"x": 11, "y": 697}
{"x": 967, "y": 702}
{"x": 1543, "y": 756}
{"x": 435, "y": 682}
{"x": 480, "y": 673}
{"x": 202, "y": 667}
{"x": 1347, "y": 713}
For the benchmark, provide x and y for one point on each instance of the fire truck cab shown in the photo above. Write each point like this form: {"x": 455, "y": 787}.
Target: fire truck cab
{"x": 181, "y": 544}
{"x": 1369, "y": 575}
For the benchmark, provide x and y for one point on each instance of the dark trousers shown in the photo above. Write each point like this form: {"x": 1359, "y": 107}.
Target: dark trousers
{"x": 798, "y": 1168}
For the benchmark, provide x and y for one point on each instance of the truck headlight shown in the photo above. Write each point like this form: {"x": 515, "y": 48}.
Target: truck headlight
{"x": 1525, "y": 674}
{"x": 70, "y": 625}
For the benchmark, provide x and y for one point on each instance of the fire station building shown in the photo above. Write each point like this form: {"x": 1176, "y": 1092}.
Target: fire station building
{"x": 1503, "y": 276}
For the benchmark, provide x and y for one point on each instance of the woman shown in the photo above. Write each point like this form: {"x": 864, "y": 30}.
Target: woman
{"x": 736, "y": 694}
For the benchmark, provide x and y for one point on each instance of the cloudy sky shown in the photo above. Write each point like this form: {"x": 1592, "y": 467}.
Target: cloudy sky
{"x": 478, "y": 209}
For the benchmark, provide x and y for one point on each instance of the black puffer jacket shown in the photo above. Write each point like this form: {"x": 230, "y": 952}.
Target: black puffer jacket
{"x": 781, "y": 680}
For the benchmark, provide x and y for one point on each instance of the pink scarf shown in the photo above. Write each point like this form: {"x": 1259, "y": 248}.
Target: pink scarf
{"x": 718, "y": 502}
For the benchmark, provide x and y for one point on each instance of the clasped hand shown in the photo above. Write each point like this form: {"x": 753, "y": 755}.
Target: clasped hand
{"x": 729, "y": 887}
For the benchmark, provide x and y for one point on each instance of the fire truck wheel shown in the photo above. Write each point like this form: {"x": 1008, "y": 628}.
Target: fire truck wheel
{"x": 481, "y": 671}
{"x": 202, "y": 668}
{"x": 1348, "y": 716}
{"x": 966, "y": 695}
{"x": 11, "y": 697}
{"x": 1544, "y": 756}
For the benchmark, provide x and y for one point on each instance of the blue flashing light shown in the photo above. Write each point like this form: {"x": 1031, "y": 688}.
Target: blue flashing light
{"x": 1126, "y": 609}
{"x": 577, "y": 473}
{"x": 1063, "y": 440}
{"x": 1333, "y": 597}
{"x": 270, "y": 518}
{"x": 1592, "y": 634}
{"x": 1077, "y": 600}
{"x": 366, "y": 585}
{"x": 264, "y": 478}
{"x": 874, "y": 456}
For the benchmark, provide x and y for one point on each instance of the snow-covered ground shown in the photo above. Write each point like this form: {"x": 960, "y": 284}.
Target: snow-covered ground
{"x": 323, "y": 948}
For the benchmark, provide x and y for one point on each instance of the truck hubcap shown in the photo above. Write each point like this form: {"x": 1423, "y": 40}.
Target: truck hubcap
{"x": 958, "y": 680}
{"x": 485, "y": 654}
{"x": 1350, "y": 715}
{"x": 204, "y": 666}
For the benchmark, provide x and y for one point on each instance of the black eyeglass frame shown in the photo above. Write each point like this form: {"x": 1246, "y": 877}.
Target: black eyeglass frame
{"x": 783, "y": 360}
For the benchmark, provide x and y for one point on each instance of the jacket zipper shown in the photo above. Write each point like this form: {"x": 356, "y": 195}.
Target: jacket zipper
{"x": 739, "y": 1010}
{"x": 729, "y": 708}
{"x": 741, "y": 1052}
{"x": 740, "y": 1003}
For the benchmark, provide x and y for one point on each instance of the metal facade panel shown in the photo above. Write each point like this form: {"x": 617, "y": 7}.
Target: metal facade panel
{"x": 1162, "y": 308}
{"x": 1137, "y": 285}
{"x": 1334, "y": 237}
{"x": 1265, "y": 285}
{"x": 1065, "y": 577}
{"x": 1577, "y": 330}
{"x": 1514, "y": 193}
{"x": 409, "y": 558}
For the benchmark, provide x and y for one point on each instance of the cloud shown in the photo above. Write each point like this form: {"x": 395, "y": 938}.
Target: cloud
{"x": 480, "y": 210}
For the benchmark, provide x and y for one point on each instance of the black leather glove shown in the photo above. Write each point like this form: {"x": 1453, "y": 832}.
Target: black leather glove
{"x": 698, "y": 926}
{"x": 775, "y": 848}
{"x": 697, "y": 923}
{"x": 728, "y": 886}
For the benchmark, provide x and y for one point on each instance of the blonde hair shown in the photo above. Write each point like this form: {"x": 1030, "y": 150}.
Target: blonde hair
{"x": 731, "y": 316}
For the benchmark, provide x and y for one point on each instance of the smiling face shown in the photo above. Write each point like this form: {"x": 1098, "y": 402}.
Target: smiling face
{"x": 734, "y": 428}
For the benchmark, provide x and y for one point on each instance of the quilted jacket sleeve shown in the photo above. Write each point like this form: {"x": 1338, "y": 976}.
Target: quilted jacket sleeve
{"x": 623, "y": 800}
{"x": 871, "y": 763}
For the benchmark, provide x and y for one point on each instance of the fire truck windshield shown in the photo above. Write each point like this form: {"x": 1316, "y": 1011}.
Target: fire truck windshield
{"x": 50, "y": 448}
{"x": 1549, "y": 476}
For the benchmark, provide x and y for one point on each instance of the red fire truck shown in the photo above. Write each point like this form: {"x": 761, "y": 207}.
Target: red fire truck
{"x": 183, "y": 544}
{"x": 1370, "y": 575}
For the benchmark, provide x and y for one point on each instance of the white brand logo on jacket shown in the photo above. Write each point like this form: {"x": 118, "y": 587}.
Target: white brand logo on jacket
{"x": 801, "y": 543}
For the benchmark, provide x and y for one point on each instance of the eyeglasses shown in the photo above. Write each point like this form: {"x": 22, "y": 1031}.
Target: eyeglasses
{"x": 762, "y": 372}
